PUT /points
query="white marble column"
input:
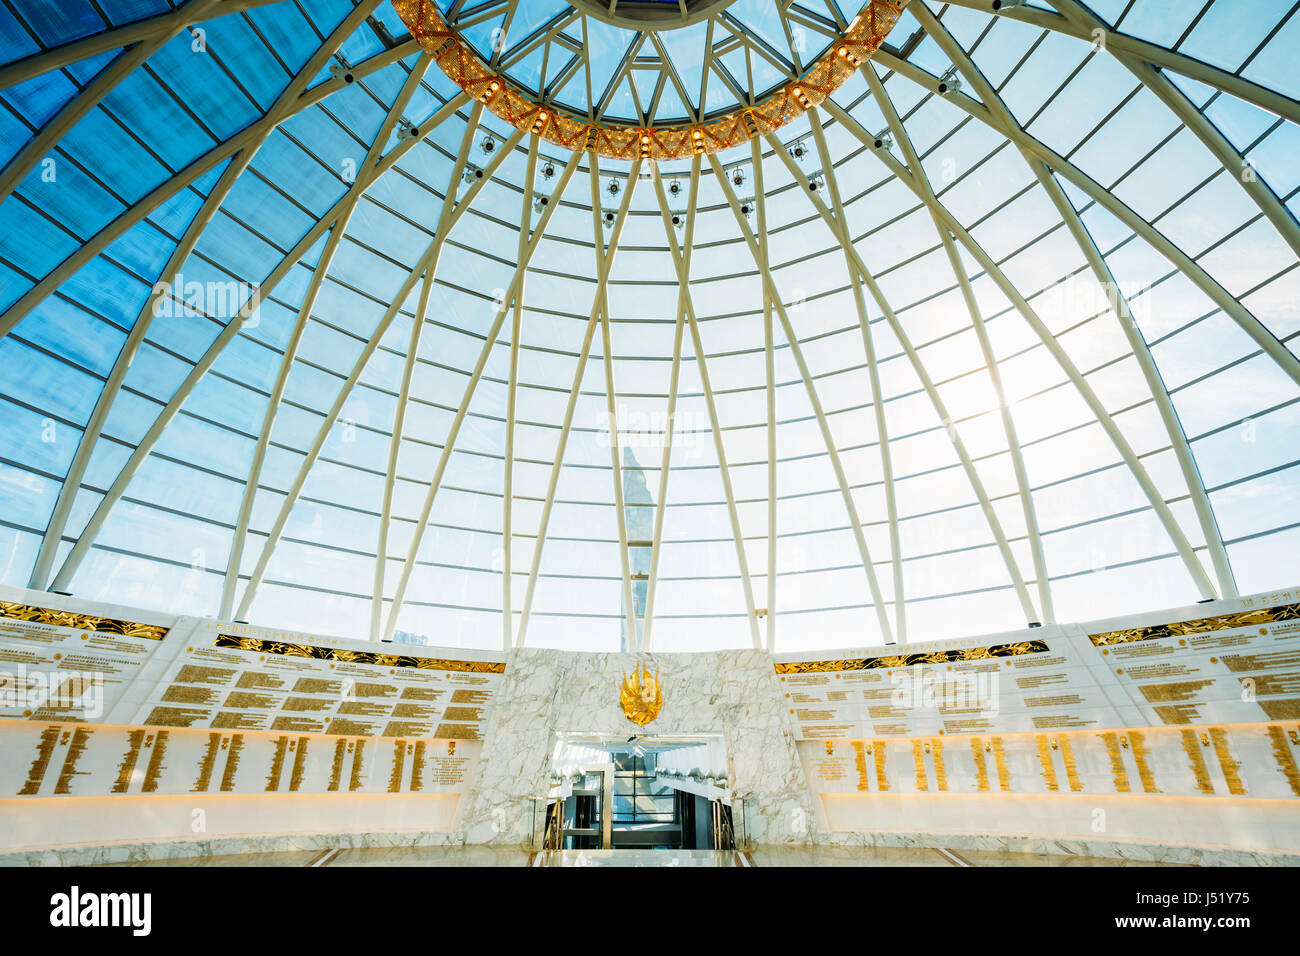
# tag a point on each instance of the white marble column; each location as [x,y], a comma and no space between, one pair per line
[735,694]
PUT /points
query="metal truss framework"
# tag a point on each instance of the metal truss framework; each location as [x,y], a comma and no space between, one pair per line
[1149,63]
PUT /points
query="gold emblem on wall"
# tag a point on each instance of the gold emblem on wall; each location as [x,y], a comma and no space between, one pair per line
[641,695]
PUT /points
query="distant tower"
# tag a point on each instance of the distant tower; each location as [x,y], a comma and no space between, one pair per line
[639,512]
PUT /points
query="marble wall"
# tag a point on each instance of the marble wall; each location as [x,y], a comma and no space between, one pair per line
[732,693]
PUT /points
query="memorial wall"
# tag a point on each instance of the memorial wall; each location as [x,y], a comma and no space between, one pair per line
[1179,727]
[116,724]
[1154,715]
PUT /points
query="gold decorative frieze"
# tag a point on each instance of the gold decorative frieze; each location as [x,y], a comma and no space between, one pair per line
[1283,612]
[618,140]
[910,660]
[82,622]
[257,645]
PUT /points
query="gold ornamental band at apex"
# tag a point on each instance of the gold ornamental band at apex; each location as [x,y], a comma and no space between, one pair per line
[617,140]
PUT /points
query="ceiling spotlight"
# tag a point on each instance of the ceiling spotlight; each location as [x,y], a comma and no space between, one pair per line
[738,176]
[884,140]
[802,97]
[492,89]
[697,141]
[848,54]
[407,130]
[541,202]
[1006,4]
[798,151]
[548,171]
[747,207]
[472,173]
[613,187]
[949,83]
[540,123]
[817,181]
[489,144]
[340,72]
[609,218]
[679,219]
[675,187]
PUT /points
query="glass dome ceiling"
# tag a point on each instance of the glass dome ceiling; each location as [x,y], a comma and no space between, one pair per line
[1025,353]
[649,63]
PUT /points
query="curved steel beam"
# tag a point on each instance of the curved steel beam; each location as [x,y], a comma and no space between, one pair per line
[605,255]
[436,481]
[986,346]
[796,351]
[1251,325]
[428,262]
[682,265]
[142,31]
[1158,56]
[294,100]
[1158,503]
[687,249]
[412,353]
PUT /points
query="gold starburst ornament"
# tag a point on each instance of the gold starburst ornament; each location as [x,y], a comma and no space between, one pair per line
[641,695]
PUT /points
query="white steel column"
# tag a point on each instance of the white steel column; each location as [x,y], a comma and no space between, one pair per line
[1155,382]
[122,364]
[133,34]
[683,292]
[1265,339]
[435,482]
[606,262]
[796,351]
[839,229]
[512,396]
[683,279]
[986,346]
[94,91]
[428,263]
[1158,503]
[1219,146]
[209,357]
[408,369]
[873,370]
[611,404]
[294,100]
[1158,56]
[769,368]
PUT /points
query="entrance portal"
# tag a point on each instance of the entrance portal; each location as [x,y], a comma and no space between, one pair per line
[639,792]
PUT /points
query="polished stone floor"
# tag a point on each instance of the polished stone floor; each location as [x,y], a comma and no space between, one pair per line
[769,856]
